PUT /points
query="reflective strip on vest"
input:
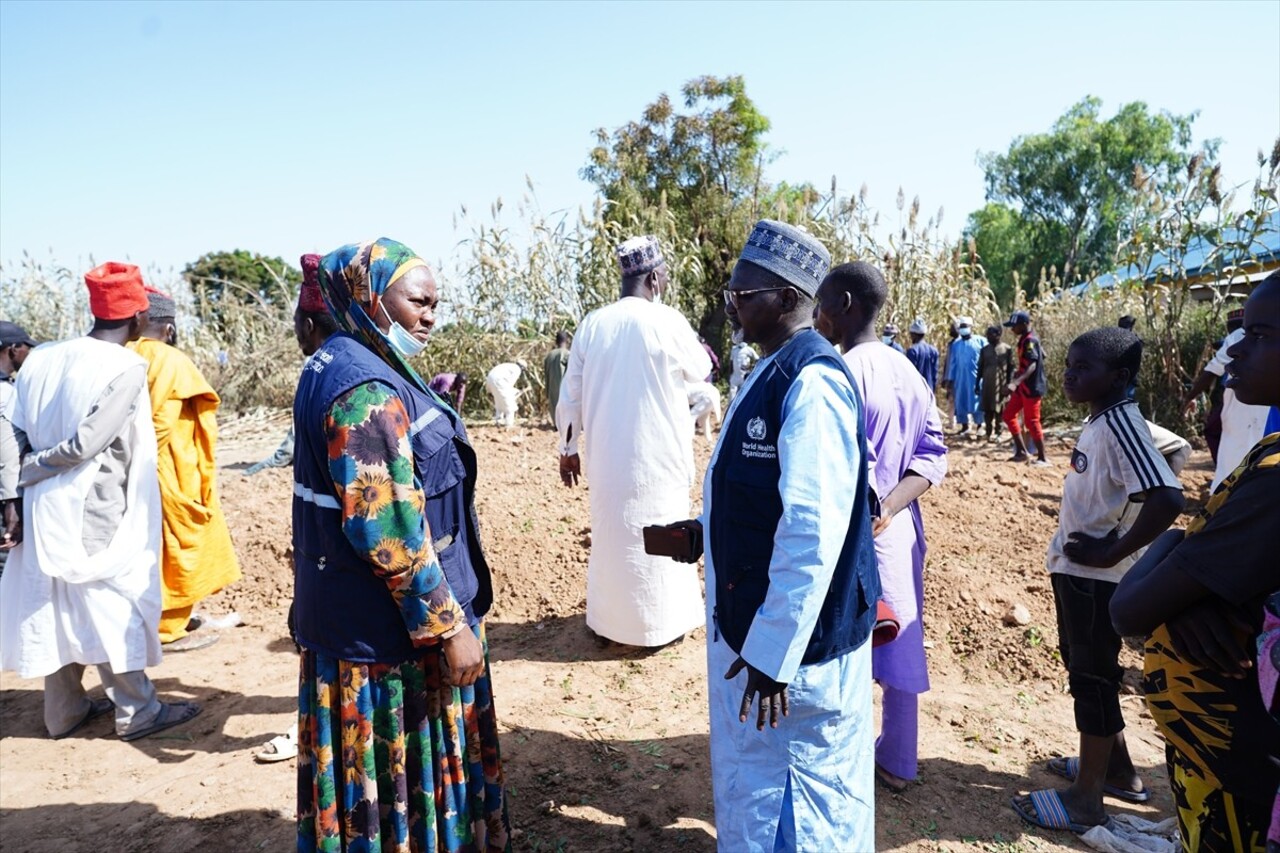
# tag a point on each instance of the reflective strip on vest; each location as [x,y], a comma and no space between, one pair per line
[421,423]
[326,501]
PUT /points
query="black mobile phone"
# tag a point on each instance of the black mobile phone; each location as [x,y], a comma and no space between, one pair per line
[661,541]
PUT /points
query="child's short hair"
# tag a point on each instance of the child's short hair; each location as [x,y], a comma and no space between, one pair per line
[1118,348]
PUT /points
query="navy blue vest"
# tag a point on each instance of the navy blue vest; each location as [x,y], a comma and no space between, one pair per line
[342,608]
[746,508]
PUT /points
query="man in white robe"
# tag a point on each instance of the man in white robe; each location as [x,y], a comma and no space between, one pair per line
[798,773]
[82,587]
[626,390]
[742,358]
[704,407]
[501,383]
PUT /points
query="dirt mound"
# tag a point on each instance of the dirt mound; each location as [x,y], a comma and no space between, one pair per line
[988,528]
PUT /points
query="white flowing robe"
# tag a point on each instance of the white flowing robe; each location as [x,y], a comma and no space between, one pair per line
[704,407]
[806,785]
[501,385]
[58,604]
[626,389]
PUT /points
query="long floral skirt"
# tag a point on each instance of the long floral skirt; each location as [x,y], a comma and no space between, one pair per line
[392,759]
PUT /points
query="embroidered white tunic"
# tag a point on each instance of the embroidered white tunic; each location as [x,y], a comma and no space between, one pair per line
[626,390]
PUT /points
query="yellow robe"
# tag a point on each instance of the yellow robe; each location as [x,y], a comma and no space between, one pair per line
[198,558]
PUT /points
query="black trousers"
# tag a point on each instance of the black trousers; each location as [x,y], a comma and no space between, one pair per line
[1090,649]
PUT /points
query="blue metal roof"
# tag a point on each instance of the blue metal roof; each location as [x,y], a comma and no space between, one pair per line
[1197,259]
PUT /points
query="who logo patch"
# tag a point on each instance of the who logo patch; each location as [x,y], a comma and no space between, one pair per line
[756,429]
[1079,461]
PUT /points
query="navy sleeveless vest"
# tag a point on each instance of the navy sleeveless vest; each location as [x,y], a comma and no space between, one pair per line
[342,608]
[746,508]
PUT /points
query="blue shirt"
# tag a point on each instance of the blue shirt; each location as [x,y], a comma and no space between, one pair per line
[924,357]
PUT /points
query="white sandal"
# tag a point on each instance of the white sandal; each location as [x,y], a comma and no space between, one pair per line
[279,748]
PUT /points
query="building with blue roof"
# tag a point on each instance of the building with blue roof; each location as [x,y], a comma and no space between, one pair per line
[1209,268]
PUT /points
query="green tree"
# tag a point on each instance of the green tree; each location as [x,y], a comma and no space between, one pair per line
[1014,250]
[1001,240]
[223,281]
[1072,189]
[695,178]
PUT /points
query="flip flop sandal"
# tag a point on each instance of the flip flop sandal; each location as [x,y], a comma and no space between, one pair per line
[171,714]
[1048,812]
[191,642]
[97,707]
[1069,768]
[279,748]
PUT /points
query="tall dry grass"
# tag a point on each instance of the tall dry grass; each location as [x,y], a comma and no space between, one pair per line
[519,274]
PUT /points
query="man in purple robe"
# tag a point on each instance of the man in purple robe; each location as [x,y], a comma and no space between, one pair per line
[906,454]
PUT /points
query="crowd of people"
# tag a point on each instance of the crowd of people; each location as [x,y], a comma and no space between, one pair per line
[113,527]
[810,531]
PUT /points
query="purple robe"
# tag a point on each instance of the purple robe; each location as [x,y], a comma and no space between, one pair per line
[904,431]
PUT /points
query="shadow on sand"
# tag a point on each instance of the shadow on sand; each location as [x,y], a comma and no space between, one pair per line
[22,716]
[141,828]
[566,638]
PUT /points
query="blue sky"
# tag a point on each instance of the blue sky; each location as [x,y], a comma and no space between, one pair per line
[159,131]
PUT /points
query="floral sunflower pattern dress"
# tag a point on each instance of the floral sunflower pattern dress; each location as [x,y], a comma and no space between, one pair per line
[392,757]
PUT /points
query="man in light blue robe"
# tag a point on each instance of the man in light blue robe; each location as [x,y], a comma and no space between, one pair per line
[963,377]
[790,630]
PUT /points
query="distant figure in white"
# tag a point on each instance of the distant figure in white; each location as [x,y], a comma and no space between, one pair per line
[704,406]
[501,384]
[741,359]
[627,390]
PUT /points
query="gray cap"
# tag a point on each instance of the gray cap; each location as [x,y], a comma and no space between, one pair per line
[160,306]
[793,255]
[12,333]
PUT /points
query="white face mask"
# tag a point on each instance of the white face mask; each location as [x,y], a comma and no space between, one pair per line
[965,331]
[657,292]
[736,337]
[401,341]
[888,339]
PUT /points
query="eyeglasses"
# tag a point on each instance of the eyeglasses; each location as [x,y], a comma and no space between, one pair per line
[731,297]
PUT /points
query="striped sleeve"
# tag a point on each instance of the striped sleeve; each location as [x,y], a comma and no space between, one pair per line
[1139,465]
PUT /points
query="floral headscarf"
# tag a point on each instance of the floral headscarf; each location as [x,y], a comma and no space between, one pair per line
[353,279]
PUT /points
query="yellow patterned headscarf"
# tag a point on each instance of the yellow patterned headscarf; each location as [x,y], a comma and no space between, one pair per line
[353,279]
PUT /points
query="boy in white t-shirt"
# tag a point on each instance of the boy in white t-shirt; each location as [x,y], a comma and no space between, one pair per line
[1118,496]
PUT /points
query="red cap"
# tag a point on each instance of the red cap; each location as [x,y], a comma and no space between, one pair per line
[1235,314]
[309,297]
[116,291]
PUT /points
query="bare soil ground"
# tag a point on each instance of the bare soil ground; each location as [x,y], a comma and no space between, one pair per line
[605,749]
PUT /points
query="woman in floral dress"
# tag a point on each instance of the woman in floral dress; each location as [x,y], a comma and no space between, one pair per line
[398,740]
